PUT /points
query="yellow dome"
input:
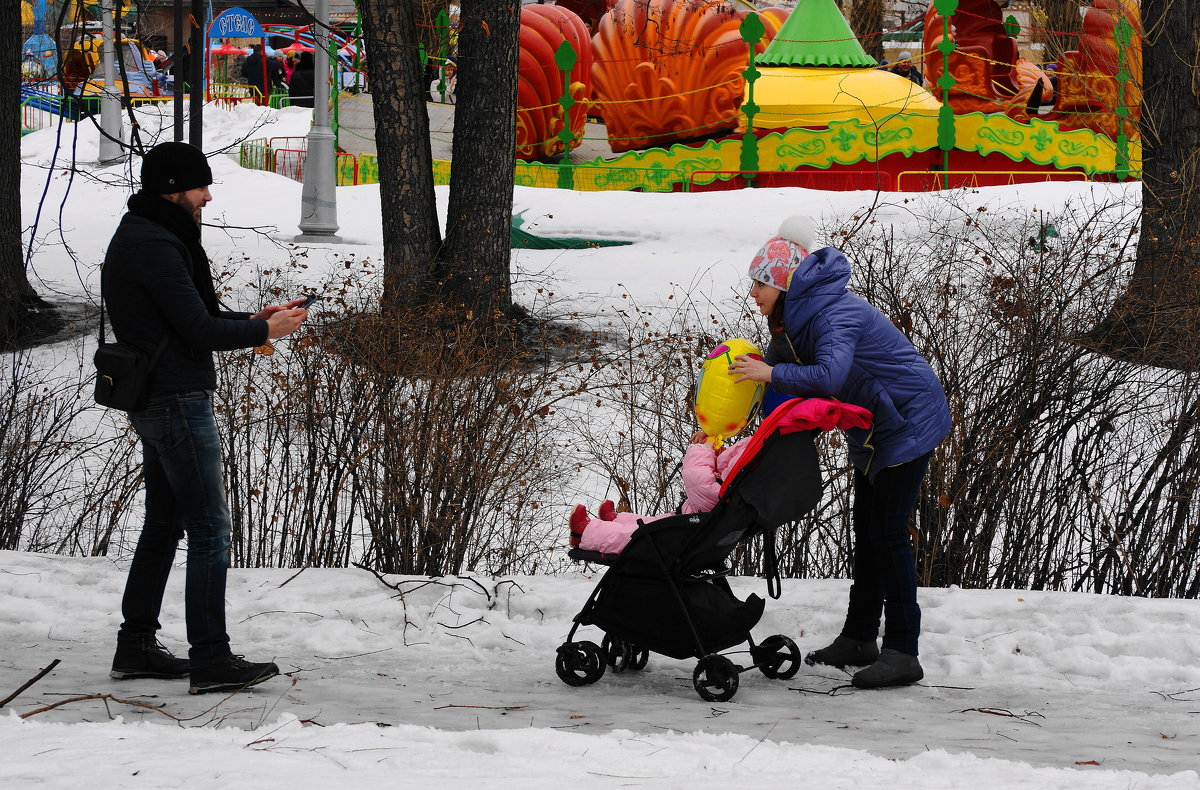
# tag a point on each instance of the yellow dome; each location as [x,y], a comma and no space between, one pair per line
[802,96]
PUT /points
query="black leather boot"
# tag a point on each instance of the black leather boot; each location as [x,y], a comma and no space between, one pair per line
[893,668]
[844,652]
[146,658]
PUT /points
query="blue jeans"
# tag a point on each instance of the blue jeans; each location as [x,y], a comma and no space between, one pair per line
[185,494]
[885,571]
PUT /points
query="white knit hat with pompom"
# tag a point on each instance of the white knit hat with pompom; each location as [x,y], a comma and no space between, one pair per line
[779,257]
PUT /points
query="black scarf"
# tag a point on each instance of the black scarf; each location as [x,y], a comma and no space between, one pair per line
[175,219]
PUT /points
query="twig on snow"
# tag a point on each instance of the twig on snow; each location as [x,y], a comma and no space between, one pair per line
[1007,714]
[45,671]
[104,697]
[294,575]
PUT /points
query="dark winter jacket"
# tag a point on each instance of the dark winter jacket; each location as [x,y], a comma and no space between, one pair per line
[156,283]
[252,72]
[846,349]
[302,88]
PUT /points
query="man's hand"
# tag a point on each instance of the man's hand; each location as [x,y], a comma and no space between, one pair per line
[747,368]
[272,309]
[282,321]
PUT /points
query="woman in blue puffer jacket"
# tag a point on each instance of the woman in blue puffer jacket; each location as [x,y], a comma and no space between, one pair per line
[829,343]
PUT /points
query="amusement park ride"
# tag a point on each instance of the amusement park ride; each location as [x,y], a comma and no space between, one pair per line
[718,95]
[683,100]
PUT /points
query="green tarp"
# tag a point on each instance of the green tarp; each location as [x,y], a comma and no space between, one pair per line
[524,240]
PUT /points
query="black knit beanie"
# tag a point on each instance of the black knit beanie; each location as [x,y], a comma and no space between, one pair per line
[174,167]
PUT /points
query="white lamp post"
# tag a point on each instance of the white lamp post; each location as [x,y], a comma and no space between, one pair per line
[318,202]
[111,150]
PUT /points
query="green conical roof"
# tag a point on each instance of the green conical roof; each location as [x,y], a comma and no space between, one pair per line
[815,34]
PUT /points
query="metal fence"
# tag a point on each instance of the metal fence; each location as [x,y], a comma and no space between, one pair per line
[929,181]
[839,180]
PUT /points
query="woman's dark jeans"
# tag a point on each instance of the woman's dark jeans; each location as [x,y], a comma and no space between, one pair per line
[185,494]
[885,572]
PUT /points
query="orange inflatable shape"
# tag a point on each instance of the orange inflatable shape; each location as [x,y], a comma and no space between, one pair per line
[540,83]
[723,408]
[671,70]
[1089,92]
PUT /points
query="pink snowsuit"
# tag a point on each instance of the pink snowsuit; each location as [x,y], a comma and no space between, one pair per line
[703,472]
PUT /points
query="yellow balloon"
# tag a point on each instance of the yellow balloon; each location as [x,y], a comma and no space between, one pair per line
[723,408]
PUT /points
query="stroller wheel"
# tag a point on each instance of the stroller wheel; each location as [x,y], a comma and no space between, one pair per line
[777,657]
[715,678]
[579,663]
[638,656]
[617,653]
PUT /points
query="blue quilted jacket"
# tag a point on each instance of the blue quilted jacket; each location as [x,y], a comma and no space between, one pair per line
[836,345]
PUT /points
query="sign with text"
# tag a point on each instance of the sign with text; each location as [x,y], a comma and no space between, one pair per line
[235,23]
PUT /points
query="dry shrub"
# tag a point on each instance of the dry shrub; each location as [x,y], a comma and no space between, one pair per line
[421,445]
[64,485]
[1064,469]
[414,443]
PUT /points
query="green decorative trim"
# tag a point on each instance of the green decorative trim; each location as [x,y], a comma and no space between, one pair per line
[947,133]
[880,137]
[565,58]
[1124,36]
[752,32]
[1075,148]
[1040,142]
[442,22]
[843,143]
[801,149]
[1002,137]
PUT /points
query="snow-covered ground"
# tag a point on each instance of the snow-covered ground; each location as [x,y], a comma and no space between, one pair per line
[453,683]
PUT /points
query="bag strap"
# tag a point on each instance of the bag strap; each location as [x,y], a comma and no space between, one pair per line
[162,344]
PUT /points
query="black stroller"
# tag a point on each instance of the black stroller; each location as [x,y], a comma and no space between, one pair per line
[667,591]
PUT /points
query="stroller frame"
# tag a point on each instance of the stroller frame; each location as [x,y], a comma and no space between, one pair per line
[687,554]
[715,678]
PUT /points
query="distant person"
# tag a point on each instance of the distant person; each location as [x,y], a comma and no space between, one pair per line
[253,72]
[1051,70]
[905,68]
[158,288]
[303,85]
[289,66]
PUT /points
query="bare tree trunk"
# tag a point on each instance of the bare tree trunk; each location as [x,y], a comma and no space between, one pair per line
[24,317]
[411,236]
[1157,319]
[474,264]
[866,19]
[1064,19]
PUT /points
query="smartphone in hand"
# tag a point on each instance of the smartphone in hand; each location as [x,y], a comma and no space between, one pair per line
[308,301]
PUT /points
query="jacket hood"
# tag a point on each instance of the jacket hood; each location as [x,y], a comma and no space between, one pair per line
[818,280]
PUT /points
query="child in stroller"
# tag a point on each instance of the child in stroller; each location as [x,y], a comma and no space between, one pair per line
[666,591]
[705,467]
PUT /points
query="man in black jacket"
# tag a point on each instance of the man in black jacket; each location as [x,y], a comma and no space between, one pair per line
[257,66]
[159,291]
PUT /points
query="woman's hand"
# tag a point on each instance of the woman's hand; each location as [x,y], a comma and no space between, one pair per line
[746,368]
